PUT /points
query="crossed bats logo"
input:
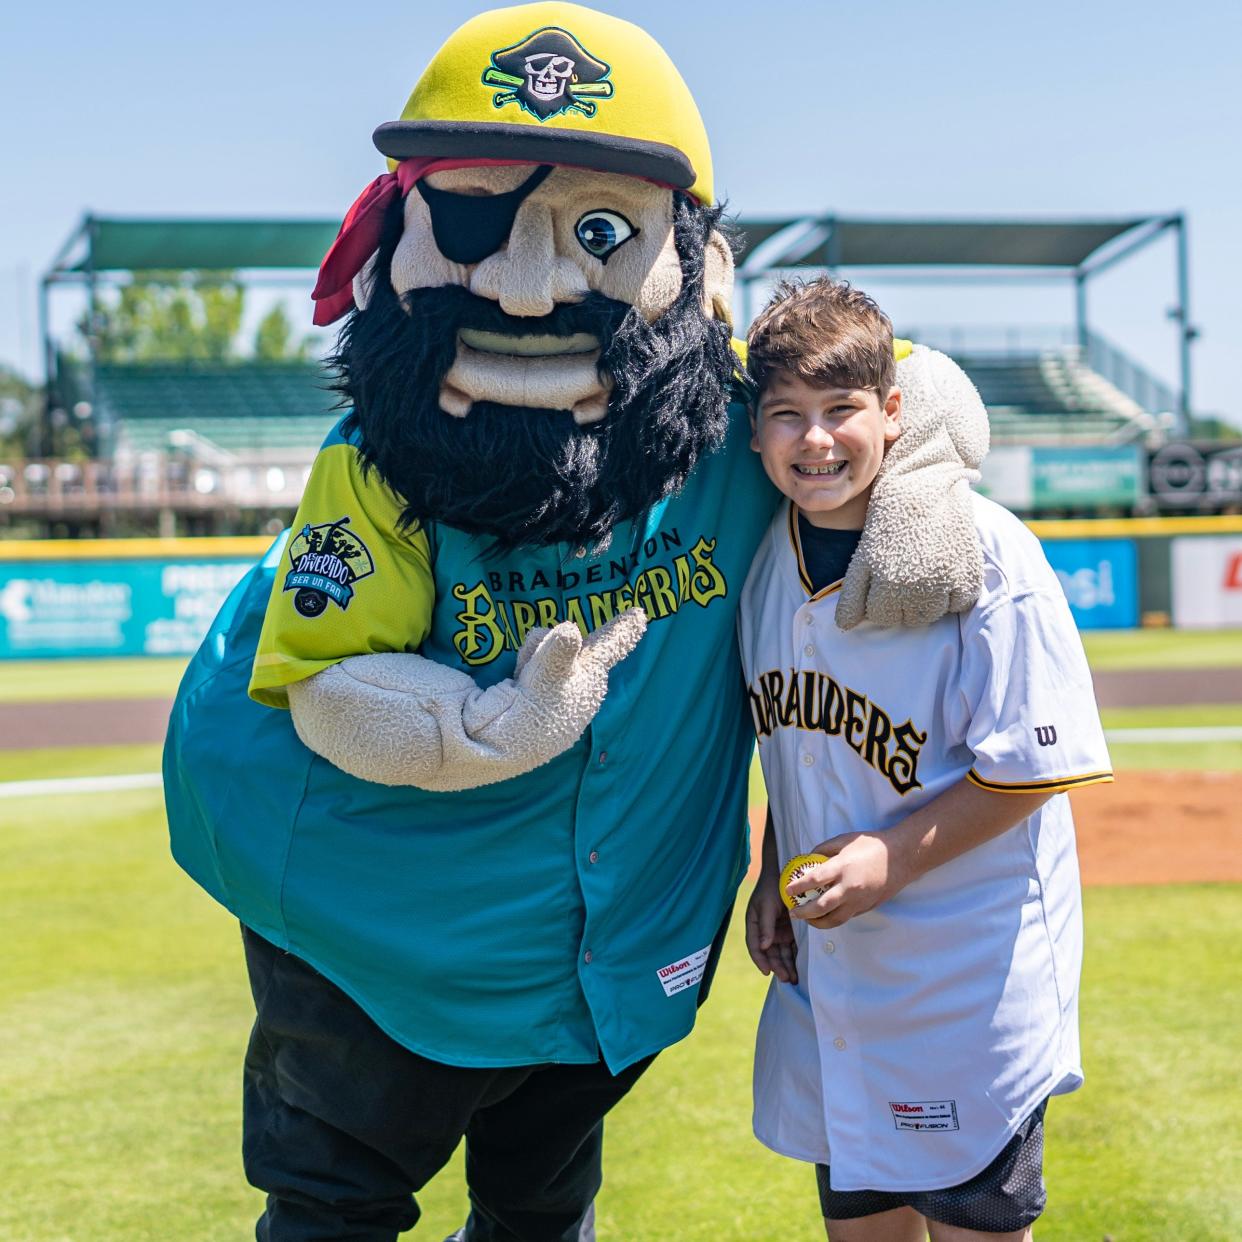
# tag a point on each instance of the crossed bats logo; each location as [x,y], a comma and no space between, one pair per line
[547,73]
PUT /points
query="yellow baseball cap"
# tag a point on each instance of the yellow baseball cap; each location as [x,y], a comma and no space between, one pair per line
[556,83]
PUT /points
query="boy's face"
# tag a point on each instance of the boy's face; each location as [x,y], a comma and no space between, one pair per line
[822,447]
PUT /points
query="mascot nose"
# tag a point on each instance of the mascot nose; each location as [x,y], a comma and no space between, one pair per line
[527,277]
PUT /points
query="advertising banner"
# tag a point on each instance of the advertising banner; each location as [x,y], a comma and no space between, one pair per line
[1195,476]
[1100,580]
[1207,582]
[101,607]
[1064,478]
[1039,478]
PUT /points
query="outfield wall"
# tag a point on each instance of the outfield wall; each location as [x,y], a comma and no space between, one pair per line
[100,597]
[158,596]
[1124,572]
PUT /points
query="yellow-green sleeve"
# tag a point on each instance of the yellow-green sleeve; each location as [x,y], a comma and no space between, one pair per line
[348,583]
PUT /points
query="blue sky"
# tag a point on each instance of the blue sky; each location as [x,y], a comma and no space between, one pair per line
[961,108]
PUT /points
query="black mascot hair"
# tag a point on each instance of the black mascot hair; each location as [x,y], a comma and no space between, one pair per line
[524,476]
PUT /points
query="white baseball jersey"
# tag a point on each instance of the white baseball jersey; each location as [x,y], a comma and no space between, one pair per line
[921,1034]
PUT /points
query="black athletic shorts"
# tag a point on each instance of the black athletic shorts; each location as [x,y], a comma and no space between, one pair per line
[1008,1195]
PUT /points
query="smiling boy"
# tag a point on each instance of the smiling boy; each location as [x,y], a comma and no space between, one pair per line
[924,1000]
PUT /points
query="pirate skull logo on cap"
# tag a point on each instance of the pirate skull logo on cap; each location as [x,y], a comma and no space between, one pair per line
[547,73]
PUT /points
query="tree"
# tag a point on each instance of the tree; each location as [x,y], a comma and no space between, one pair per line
[188,317]
[171,317]
[273,339]
[20,406]
[1214,427]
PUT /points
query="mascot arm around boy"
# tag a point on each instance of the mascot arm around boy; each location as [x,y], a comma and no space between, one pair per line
[546,432]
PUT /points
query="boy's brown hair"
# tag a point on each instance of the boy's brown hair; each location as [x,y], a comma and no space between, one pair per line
[825,331]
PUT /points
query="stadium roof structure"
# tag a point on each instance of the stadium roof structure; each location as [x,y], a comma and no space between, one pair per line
[104,245]
[103,250]
[959,250]
[836,242]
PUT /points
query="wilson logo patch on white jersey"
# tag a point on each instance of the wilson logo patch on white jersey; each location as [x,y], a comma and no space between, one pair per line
[924,1114]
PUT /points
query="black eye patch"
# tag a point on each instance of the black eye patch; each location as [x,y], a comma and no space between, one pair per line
[469,227]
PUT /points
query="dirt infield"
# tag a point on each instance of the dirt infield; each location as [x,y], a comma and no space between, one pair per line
[1161,828]
[30,726]
[94,722]
[1159,687]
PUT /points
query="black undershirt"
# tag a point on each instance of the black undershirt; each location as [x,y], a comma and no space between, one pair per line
[825,553]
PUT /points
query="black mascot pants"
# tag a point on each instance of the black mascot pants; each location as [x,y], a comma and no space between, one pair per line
[342,1125]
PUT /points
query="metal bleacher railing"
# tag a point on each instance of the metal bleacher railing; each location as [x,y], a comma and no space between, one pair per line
[1042,387]
[1125,374]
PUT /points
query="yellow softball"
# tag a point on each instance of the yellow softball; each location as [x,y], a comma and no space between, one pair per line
[794,870]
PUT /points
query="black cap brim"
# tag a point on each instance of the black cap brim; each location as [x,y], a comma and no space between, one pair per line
[403,140]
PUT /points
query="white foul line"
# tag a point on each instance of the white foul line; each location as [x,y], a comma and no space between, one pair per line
[153,780]
[1191,733]
[80,785]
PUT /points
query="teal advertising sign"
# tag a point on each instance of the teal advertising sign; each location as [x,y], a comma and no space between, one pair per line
[1040,478]
[1089,475]
[101,607]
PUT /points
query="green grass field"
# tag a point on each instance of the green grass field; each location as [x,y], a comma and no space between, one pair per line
[125,1011]
[35,681]
[1147,649]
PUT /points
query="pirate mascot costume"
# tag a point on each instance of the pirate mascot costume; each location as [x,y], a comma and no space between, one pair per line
[482,832]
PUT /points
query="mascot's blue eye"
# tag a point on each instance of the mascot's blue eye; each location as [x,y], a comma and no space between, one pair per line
[601,233]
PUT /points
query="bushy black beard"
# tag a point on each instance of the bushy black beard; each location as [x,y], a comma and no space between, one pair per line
[523,476]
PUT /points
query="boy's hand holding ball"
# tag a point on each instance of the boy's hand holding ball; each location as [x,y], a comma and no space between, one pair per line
[796,869]
[843,877]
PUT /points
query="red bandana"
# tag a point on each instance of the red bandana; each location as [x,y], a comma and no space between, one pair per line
[359,236]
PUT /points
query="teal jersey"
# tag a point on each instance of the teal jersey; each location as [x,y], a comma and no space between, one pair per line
[548,918]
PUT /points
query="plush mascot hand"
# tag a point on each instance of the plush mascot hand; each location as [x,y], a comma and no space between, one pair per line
[399,719]
[919,556]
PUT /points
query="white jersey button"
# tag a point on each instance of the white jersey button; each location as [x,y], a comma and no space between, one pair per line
[829,946]
[839,1044]
[809,649]
[810,620]
[594,856]
[807,760]
[586,957]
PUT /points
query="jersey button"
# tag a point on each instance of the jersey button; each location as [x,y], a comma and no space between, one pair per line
[829,947]
[807,760]
[810,620]
[586,957]
[594,856]
[839,1044]
[809,649]
[603,757]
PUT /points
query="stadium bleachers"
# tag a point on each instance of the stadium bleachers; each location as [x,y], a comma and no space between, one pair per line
[250,410]
[1053,398]
[281,411]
